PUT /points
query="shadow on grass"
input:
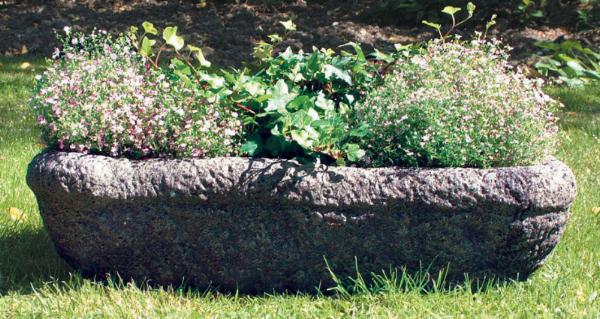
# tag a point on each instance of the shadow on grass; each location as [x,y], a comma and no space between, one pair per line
[27,258]
[582,107]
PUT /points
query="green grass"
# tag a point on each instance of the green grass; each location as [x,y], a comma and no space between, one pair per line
[34,282]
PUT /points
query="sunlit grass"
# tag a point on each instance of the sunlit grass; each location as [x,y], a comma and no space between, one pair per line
[34,282]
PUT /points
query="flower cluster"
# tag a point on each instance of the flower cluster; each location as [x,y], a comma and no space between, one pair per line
[99,96]
[458,104]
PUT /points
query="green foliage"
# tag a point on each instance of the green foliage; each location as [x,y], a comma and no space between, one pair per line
[457,104]
[300,102]
[103,99]
[303,105]
[568,61]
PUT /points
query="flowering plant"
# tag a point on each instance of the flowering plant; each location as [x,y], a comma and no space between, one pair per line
[99,96]
[458,104]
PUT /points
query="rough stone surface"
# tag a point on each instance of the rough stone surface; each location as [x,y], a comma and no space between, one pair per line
[264,225]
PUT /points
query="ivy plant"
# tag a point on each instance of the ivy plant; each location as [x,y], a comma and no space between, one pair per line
[293,104]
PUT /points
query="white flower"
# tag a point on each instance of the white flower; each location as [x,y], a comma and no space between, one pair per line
[67,30]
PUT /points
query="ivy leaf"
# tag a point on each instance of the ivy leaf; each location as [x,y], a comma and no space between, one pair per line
[288,25]
[305,137]
[275,38]
[300,102]
[199,55]
[280,97]
[360,131]
[182,70]
[133,33]
[450,10]
[492,22]
[331,71]
[253,87]
[381,56]
[146,48]
[436,26]
[402,47]
[324,103]
[263,51]
[249,148]
[149,28]
[354,152]
[180,67]
[314,115]
[359,52]
[214,81]
[172,39]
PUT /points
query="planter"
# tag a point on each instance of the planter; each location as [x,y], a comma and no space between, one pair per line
[263,225]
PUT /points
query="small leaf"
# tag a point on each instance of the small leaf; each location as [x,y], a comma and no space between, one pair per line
[133,33]
[436,26]
[172,39]
[280,97]
[354,152]
[275,38]
[289,25]
[324,103]
[471,8]
[402,47]
[214,81]
[314,115]
[253,87]
[146,48]
[199,55]
[180,67]
[332,71]
[305,137]
[149,28]
[359,52]
[492,22]
[360,131]
[249,148]
[450,10]
[25,65]
[380,56]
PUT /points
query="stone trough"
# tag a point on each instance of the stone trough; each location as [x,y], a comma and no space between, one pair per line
[261,225]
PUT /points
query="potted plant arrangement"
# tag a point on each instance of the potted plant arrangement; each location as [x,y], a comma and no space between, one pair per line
[255,179]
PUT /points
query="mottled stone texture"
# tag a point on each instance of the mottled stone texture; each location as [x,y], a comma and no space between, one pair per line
[264,225]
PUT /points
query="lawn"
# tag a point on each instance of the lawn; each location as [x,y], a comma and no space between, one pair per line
[35,282]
